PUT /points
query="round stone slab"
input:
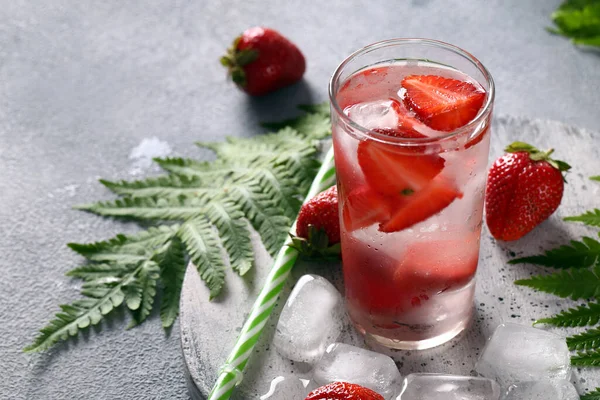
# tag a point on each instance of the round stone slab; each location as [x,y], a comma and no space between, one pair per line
[209,329]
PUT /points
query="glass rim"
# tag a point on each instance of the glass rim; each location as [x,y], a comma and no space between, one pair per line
[481,115]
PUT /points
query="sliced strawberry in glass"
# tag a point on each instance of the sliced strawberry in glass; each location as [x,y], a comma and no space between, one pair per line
[442,103]
[393,170]
[421,205]
[438,265]
[364,207]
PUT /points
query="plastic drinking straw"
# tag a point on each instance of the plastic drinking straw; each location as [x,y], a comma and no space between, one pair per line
[231,374]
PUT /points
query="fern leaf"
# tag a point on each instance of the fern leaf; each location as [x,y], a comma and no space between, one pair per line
[270,224]
[595,395]
[588,314]
[227,217]
[279,191]
[126,249]
[202,244]
[146,280]
[184,166]
[587,340]
[133,295]
[585,253]
[93,272]
[170,186]
[102,299]
[321,108]
[595,178]
[575,283]
[591,218]
[146,208]
[172,264]
[315,126]
[586,359]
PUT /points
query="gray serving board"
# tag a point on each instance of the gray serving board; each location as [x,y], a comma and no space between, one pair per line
[209,329]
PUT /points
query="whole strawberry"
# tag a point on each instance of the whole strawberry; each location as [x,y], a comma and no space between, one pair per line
[524,188]
[343,391]
[261,60]
[318,226]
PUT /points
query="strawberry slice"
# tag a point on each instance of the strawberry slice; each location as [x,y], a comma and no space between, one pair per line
[364,207]
[443,104]
[421,205]
[392,170]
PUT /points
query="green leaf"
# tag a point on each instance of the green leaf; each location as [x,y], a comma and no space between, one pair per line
[586,359]
[588,314]
[202,244]
[146,208]
[521,146]
[587,340]
[579,254]
[321,108]
[93,272]
[102,299]
[591,218]
[227,217]
[126,249]
[575,283]
[595,395]
[172,262]
[145,282]
[595,178]
[578,20]
[316,126]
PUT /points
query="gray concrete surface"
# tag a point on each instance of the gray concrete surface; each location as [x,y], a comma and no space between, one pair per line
[86,86]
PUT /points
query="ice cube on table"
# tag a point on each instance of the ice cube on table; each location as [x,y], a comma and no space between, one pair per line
[542,390]
[363,367]
[518,353]
[311,319]
[286,388]
[448,387]
[374,114]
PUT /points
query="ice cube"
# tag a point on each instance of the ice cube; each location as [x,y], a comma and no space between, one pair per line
[374,114]
[285,388]
[448,387]
[517,353]
[347,363]
[542,390]
[312,319]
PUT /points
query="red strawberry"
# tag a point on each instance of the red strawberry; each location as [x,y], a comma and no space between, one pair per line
[343,391]
[364,207]
[443,104]
[524,188]
[261,60]
[421,205]
[391,169]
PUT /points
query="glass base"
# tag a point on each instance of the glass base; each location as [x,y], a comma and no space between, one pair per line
[422,344]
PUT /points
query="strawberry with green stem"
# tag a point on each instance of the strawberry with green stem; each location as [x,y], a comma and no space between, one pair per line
[525,186]
[262,60]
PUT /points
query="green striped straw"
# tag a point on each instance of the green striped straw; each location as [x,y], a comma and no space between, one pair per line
[231,374]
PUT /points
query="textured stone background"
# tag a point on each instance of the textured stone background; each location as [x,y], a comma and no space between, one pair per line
[90,89]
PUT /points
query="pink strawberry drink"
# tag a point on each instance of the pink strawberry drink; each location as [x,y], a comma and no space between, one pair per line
[411,141]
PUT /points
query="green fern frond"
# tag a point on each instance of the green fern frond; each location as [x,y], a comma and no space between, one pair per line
[145,281]
[591,218]
[102,299]
[585,253]
[146,208]
[227,217]
[595,178]
[588,314]
[126,249]
[587,340]
[169,186]
[586,359]
[271,225]
[95,272]
[172,262]
[184,166]
[202,244]
[574,283]
[321,108]
[314,126]
[595,395]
